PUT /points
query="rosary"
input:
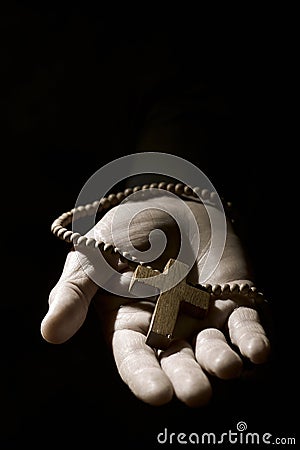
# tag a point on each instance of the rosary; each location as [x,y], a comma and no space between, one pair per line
[195,298]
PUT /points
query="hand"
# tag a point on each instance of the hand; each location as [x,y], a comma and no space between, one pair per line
[214,346]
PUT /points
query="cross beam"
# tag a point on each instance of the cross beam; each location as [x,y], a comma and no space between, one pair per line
[174,291]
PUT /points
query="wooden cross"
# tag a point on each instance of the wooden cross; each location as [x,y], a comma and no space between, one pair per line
[172,295]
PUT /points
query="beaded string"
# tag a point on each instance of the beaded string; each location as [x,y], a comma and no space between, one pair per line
[60,230]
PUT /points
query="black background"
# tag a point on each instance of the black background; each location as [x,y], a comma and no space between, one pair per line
[77,83]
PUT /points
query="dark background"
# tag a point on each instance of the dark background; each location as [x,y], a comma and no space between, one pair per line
[82,86]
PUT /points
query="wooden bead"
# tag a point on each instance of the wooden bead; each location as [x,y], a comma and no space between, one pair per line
[89,209]
[120,196]
[244,288]
[253,291]
[67,234]
[197,192]
[171,187]
[90,242]
[113,200]
[162,185]
[205,194]
[105,203]
[234,289]
[208,287]
[216,290]
[188,190]
[108,248]
[128,191]
[60,232]
[74,238]
[179,188]
[82,240]
[225,290]
[65,216]
[259,298]
[100,245]
[213,197]
[55,228]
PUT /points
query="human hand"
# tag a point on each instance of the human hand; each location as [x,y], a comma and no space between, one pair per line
[213,346]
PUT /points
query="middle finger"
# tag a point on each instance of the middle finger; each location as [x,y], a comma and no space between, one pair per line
[189,381]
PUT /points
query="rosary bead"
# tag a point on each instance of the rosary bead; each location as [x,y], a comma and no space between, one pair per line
[57,222]
[65,217]
[259,298]
[60,232]
[120,196]
[89,209]
[188,190]
[244,288]
[225,290]
[82,240]
[112,198]
[55,228]
[171,187]
[90,242]
[108,248]
[67,235]
[234,289]
[74,238]
[128,192]
[216,290]
[253,291]
[104,202]
[197,192]
[179,188]
[80,212]
[213,197]
[205,194]
[162,185]
[100,245]
[208,288]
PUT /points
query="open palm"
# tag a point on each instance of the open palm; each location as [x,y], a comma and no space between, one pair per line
[215,345]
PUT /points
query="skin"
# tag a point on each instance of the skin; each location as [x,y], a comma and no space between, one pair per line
[212,347]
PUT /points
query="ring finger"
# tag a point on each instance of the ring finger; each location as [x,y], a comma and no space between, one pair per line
[189,381]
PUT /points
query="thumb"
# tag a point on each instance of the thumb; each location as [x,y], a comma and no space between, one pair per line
[69,301]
